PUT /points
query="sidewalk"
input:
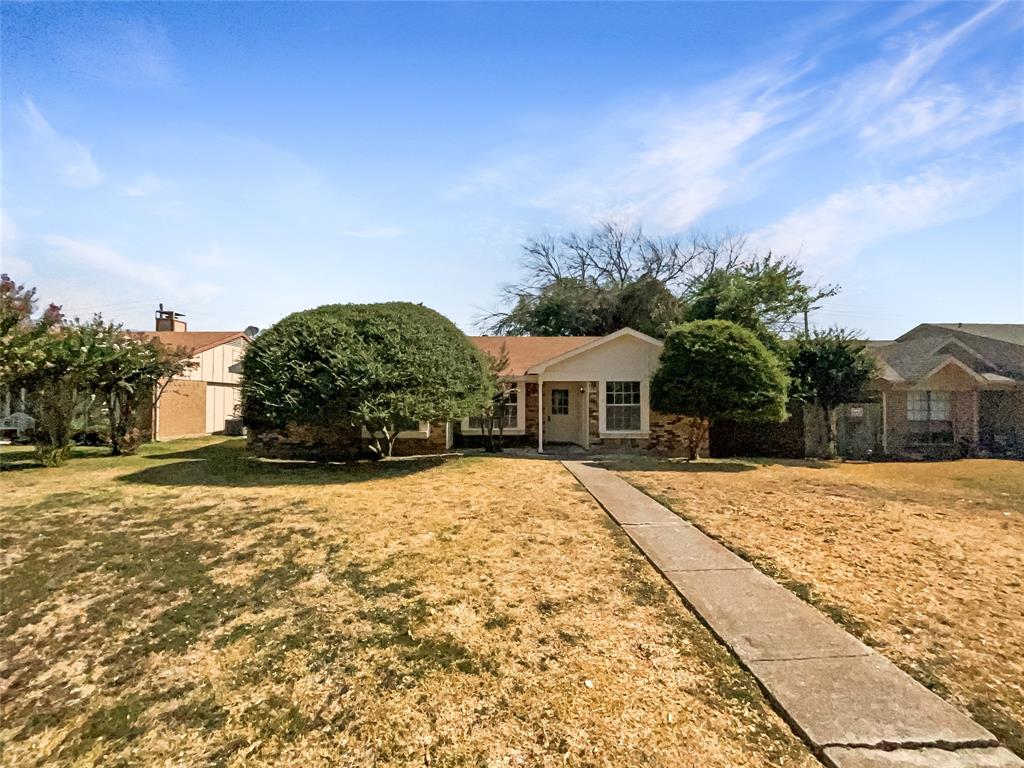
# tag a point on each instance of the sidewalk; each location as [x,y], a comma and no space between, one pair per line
[855,708]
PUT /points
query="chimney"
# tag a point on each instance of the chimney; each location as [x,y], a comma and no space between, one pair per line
[168,320]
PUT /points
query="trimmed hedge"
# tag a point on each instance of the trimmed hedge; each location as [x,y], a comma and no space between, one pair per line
[378,366]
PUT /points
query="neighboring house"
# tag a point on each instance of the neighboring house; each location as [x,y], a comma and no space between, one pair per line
[941,390]
[581,390]
[206,399]
[947,389]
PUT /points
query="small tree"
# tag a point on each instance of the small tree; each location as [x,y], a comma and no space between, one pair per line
[362,366]
[23,338]
[714,369]
[492,415]
[128,373]
[829,368]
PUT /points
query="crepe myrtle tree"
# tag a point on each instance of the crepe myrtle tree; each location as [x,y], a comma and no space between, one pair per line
[828,368]
[492,414]
[715,369]
[378,367]
[129,373]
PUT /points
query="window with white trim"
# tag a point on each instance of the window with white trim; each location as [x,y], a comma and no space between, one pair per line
[509,416]
[622,406]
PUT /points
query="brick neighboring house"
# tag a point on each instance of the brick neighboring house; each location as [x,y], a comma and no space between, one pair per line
[205,400]
[947,389]
[942,390]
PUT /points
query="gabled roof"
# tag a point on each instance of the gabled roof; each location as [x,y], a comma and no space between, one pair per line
[193,342]
[531,354]
[1012,333]
[525,352]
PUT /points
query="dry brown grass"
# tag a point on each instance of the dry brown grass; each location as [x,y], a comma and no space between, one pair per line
[923,561]
[192,607]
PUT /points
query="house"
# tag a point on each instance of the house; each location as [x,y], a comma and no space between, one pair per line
[587,391]
[205,400]
[941,390]
[946,389]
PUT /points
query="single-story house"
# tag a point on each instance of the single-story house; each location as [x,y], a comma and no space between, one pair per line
[586,391]
[941,390]
[206,399]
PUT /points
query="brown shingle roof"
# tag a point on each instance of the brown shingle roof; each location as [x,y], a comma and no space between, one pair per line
[524,352]
[193,342]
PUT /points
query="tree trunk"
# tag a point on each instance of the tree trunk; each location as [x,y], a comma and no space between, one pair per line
[698,431]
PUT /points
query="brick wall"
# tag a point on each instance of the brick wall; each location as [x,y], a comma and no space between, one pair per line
[182,410]
[333,443]
[670,434]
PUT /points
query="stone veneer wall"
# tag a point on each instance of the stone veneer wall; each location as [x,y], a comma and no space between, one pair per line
[337,443]
[670,434]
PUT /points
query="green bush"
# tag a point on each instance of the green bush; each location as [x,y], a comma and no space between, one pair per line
[714,369]
[372,366]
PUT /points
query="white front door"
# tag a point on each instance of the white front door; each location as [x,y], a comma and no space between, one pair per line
[562,408]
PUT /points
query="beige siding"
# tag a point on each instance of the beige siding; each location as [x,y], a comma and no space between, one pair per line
[222,402]
[626,358]
[214,364]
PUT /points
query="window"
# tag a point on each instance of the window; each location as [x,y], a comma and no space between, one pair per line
[927,406]
[405,424]
[928,414]
[559,402]
[622,406]
[510,419]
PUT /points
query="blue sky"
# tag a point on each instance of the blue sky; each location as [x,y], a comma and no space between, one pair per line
[242,161]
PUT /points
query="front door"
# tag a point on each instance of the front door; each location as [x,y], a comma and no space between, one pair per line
[562,404]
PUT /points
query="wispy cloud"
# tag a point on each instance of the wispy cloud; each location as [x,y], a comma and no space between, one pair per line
[71,159]
[945,119]
[856,217]
[103,258]
[106,259]
[671,164]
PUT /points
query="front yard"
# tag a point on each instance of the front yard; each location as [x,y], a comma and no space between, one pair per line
[194,607]
[923,561]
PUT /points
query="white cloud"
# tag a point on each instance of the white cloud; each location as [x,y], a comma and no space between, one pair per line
[946,119]
[144,186]
[852,219]
[71,159]
[103,258]
[375,233]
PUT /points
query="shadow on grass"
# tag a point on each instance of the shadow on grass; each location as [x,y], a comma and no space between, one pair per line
[654,464]
[16,458]
[229,464]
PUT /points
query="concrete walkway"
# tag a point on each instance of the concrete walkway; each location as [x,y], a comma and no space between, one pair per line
[855,708]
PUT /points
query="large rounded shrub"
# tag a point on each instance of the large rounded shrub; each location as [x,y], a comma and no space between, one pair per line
[715,369]
[353,366]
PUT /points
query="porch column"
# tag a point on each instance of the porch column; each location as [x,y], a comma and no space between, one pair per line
[540,414]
